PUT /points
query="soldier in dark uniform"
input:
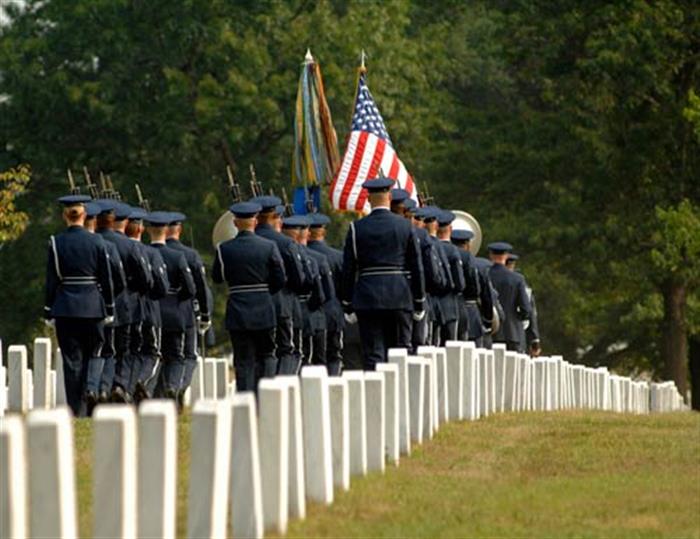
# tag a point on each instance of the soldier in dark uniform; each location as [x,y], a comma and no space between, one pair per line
[398,201]
[253,269]
[310,320]
[476,311]
[530,327]
[484,267]
[111,224]
[145,345]
[79,300]
[410,207]
[174,307]
[383,281]
[198,321]
[512,294]
[286,300]
[450,301]
[335,321]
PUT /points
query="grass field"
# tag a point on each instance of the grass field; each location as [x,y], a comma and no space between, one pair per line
[568,474]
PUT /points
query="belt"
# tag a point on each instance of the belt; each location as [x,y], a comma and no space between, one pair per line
[472,302]
[304,297]
[174,291]
[383,270]
[80,280]
[246,288]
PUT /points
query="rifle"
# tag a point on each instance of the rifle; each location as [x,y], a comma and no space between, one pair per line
[115,194]
[74,190]
[105,192]
[424,198]
[308,201]
[256,187]
[234,188]
[288,208]
[143,202]
[91,187]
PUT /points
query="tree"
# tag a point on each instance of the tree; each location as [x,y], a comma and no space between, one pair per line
[13,183]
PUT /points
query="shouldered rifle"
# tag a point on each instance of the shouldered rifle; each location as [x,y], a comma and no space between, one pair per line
[92,188]
[234,188]
[308,201]
[74,189]
[256,187]
[288,208]
[105,192]
[115,194]
[143,202]
[424,197]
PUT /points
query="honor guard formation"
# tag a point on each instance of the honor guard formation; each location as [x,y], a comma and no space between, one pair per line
[132,317]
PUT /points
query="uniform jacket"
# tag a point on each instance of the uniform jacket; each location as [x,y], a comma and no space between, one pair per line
[382,265]
[254,271]
[200,305]
[159,290]
[449,302]
[513,297]
[532,331]
[175,305]
[116,269]
[318,316]
[484,267]
[334,311]
[78,276]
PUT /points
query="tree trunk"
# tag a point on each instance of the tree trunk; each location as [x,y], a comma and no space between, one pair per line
[694,349]
[674,337]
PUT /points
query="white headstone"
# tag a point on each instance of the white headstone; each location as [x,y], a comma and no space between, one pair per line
[340,430]
[52,389]
[210,378]
[432,411]
[483,383]
[13,477]
[471,389]
[510,381]
[499,370]
[416,389]
[443,387]
[3,390]
[114,488]
[245,481]
[60,381]
[391,391]
[51,474]
[273,405]
[221,377]
[42,370]
[210,452]
[399,357]
[297,478]
[157,474]
[455,379]
[429,396]
[375,409]
[358,422]
[18,392]
[197,386]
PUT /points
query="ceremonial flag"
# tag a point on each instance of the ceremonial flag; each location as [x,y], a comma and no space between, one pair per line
[369,151]
[316,156]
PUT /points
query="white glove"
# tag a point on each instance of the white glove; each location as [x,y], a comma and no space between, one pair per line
[350,318]
[109,320]
[50,322]
[203,327]
[418,315]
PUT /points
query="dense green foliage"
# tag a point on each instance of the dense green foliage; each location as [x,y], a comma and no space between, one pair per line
[568,128]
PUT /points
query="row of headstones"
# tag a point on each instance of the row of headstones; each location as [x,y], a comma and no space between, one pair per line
[310,435]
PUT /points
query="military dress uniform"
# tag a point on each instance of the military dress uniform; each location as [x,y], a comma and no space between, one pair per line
[449,302]
[383,281]
[117,367]
[200,306]
[286,300]
[335,322]
[512,294]
[484,267]
[315,333]
[79,298]
[253,269]
[174,311]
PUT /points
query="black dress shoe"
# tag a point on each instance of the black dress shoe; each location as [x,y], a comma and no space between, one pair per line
[140,393]
[119,395]
[91,401]
[103,398]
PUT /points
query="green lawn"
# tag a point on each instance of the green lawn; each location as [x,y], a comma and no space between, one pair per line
[570,474]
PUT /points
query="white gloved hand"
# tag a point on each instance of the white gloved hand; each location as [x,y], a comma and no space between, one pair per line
[109,320]
[350,318]
[50,322]
[418,315]
[203,327]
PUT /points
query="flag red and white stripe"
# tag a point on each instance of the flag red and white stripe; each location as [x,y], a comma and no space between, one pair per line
[368,152]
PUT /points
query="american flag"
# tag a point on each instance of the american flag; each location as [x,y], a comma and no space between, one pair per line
[369,151]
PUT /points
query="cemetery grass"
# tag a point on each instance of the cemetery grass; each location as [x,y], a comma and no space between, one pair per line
[565,474]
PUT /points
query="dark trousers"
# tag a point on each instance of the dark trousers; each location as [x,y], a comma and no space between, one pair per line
[420,332]
[81,341]
[190,357]
[292,363]
[448,332]
[150,356]
[122,371]
[381,330]
[173,350]
[334,352]
[287,359]
[315,348]
[253,357]
[109,361]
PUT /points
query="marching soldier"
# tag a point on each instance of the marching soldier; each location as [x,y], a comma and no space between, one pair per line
[334,311]
[512,294]
[484,267]
[147,346]
[79,301]
[383,282]
[531,327]
[199,309]
[253,269]
[286,300]
[310,320]
[173,306]
[477,308]
[450,302]
[111,224]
